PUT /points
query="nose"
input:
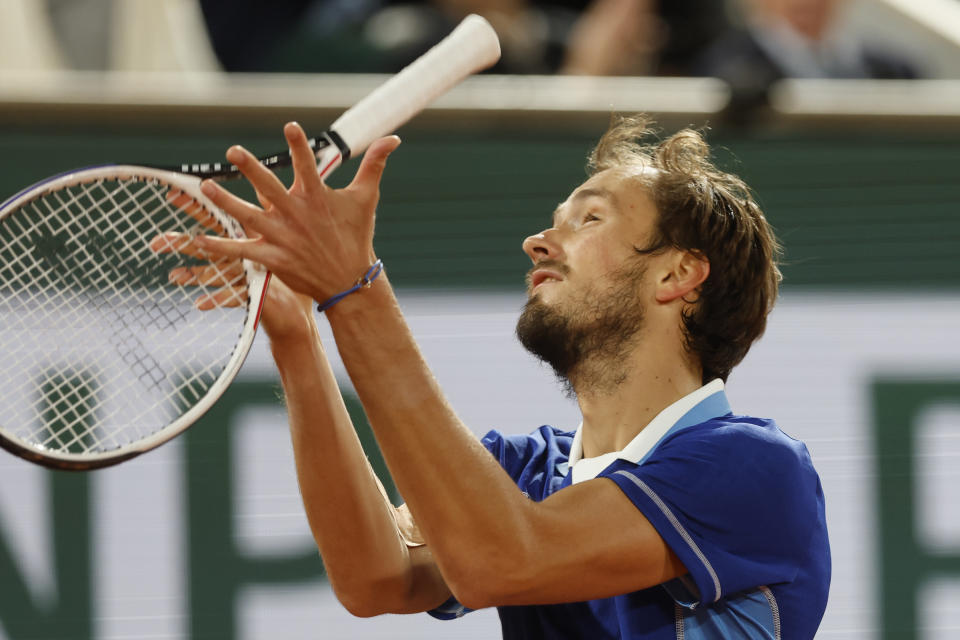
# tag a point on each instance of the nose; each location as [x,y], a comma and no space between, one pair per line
[542,246]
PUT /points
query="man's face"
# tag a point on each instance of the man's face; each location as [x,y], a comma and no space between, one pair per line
[585,290]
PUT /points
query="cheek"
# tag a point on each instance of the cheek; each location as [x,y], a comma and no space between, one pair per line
[602,255]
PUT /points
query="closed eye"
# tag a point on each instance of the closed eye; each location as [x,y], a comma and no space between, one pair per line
[590,218]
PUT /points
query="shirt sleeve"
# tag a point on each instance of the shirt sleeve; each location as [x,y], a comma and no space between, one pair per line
[737,503]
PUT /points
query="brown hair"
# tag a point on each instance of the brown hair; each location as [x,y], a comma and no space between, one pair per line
[713,213]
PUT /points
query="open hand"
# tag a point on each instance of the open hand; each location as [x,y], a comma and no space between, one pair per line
[318,240]
[285,314]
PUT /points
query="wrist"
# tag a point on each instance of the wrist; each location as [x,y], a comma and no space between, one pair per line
[293,336]
[370,301]
[365,281]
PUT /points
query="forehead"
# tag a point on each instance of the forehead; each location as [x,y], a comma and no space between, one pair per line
[625,190]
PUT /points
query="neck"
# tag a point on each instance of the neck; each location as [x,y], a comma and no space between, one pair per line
[625,394]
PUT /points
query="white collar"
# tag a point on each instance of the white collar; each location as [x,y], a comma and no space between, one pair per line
[680,413]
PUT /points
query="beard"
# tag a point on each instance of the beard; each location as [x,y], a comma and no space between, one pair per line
[585,340]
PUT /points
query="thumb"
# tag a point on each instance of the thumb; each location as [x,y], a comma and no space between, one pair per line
[367,179]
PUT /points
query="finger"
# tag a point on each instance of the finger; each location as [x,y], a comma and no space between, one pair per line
[261,178]
[304,159]
[367,180]
[228,297]
[248,215]
[173,242]
[193,208]
[227,274]
[254,249]
[170,242]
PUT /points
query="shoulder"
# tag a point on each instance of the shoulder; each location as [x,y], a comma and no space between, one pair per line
[736,498]
[739,463]
[746,439]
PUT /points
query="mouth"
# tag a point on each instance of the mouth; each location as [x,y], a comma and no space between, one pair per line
[543,276]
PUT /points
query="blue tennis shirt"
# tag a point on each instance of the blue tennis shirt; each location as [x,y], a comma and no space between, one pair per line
[735,498]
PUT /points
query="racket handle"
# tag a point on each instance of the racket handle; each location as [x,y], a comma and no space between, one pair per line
[469,48]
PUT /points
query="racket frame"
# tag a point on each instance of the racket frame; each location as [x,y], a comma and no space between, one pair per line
[257,281]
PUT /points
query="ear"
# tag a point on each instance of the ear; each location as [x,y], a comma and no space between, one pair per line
[685,273]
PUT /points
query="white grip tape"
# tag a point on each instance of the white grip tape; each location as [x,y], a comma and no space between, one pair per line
[472,46]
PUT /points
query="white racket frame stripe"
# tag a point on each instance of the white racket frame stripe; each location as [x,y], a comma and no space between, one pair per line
[471,47]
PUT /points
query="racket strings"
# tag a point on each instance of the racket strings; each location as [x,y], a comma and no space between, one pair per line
[103,350]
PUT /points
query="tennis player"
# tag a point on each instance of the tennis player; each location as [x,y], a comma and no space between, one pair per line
[666,514]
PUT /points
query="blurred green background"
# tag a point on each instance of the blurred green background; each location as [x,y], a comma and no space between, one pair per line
[854,208]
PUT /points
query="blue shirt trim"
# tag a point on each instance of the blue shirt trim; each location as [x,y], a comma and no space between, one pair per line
[712,406]
[751,615]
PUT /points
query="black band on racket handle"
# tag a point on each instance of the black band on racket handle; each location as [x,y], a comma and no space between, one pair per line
[335,138]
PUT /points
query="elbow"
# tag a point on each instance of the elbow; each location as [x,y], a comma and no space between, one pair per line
[476,597]
[484,581]
[469,590]
[359,602]
[360,607]
[482,591]
[495,568]
[372,597]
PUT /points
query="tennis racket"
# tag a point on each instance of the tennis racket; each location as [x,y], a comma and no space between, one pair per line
[105,355]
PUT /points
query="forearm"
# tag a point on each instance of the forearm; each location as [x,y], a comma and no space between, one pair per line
[318,240]
[351,520]
[463,501]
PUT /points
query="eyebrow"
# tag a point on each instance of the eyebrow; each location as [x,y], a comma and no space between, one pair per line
[590,192]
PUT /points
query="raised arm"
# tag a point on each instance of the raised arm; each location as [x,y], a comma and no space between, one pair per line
[492,544]
[371,568]
[359,533]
